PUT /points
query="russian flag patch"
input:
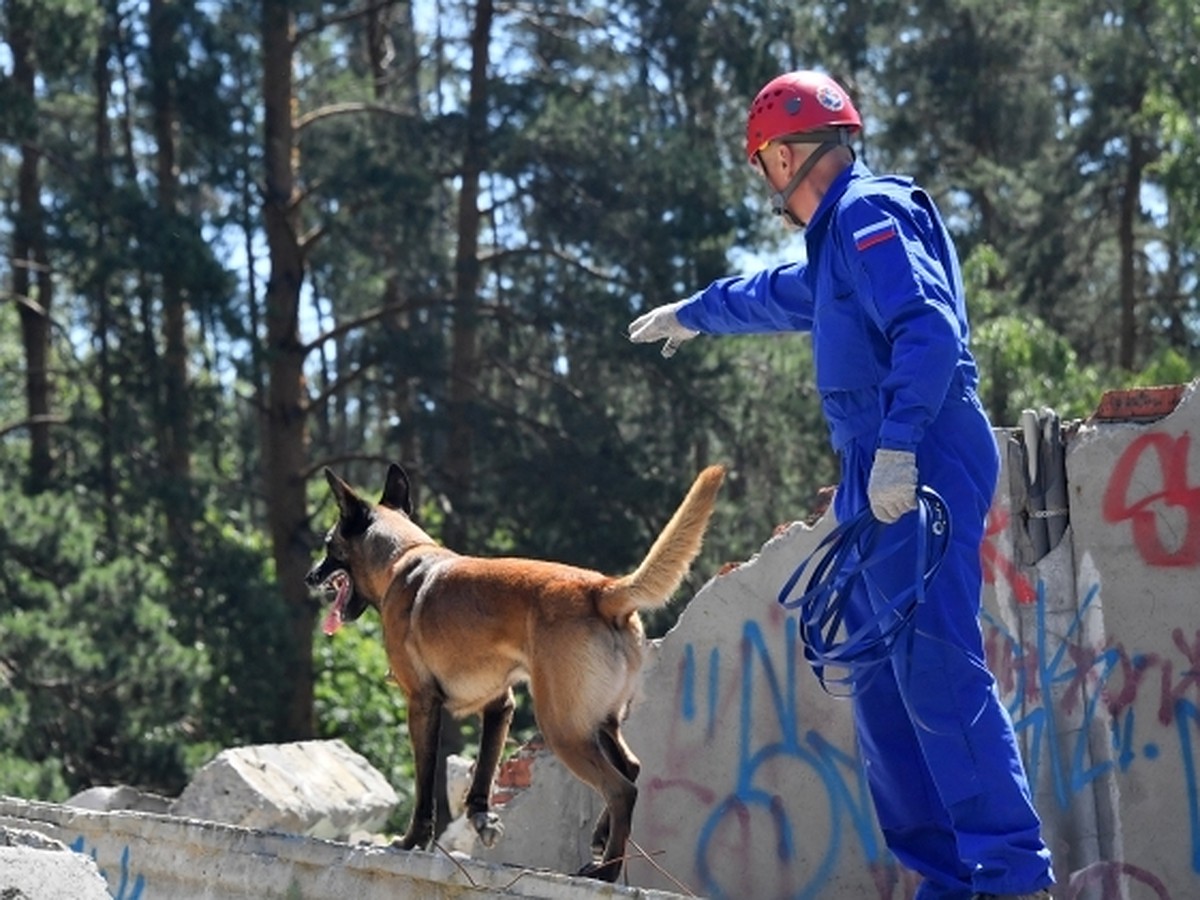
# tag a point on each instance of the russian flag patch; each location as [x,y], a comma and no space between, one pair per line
[874,234]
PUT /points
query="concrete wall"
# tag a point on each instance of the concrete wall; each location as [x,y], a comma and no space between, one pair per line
[751,785]
[147,856]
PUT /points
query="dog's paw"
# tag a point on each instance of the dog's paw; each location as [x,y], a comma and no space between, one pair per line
[488,826]
[601,871]
[411,841]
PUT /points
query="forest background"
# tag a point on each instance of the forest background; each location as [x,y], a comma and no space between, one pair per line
[244,240]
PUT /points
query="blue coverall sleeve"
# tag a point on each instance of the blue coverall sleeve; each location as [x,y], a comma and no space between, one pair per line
[908,278]
[776,299]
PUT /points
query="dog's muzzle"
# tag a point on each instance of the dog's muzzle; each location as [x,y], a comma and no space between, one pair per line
[339,584]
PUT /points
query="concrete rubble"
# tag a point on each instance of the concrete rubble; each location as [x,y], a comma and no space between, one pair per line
[320,789]
[36,867]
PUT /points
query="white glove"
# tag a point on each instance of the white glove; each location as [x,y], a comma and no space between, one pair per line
[661,322]
[892,487]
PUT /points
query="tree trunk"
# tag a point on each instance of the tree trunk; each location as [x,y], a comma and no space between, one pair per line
[391,45]
[31,281]
[175,409]
[464,371]
[98,280]
[285,451]
[1127,239]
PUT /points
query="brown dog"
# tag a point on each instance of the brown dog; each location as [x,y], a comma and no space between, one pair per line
[461,631]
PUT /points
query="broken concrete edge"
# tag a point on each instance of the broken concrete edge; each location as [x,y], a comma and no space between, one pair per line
[115,797]
[319,788]
[29,839]
[168,845]
[45,867]
[34,873]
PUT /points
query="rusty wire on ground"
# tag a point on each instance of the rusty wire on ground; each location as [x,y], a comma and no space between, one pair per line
[641,853]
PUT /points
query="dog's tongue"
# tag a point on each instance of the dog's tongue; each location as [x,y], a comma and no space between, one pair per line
[333,619]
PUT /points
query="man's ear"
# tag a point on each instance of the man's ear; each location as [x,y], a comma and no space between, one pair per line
[786,155]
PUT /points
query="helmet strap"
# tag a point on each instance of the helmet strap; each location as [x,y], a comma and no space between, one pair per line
[826,139]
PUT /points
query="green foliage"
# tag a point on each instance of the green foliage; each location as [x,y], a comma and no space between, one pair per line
[1168,366]
[1023,362]
[1026,365]
[356,701]
[612,182]
[229,607]
[94,686]
[28,778]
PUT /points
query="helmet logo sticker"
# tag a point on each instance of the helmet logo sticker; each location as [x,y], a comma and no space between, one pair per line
[829,98]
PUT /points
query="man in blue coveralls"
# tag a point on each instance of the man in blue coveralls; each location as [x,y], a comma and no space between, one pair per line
[882,294]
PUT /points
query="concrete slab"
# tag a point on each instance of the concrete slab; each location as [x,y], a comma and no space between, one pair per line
[316,788]
[144,856]
[36,867]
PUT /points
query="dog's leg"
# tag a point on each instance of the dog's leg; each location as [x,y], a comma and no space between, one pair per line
[424,728]
[586,758]
[616,751]
[497,717]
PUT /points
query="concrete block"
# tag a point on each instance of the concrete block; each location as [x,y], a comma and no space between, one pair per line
[148,856]
[111,798]
[320,789]
[36,867]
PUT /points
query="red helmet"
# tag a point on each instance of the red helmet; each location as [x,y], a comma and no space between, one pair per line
[795,103]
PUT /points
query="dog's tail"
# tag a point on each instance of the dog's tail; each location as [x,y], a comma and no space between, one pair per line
[655,580]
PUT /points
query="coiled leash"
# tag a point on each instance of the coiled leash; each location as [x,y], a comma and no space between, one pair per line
[847,556]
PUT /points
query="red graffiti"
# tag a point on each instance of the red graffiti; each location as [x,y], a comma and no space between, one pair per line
[1190,676]
[1144,513]
[1121,677]
[893,882]
[1114,880]
[1014,666]
[996,564]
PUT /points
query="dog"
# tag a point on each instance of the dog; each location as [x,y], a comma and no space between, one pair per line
[462,631]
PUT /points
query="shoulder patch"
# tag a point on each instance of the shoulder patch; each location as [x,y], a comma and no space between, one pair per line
[875,233]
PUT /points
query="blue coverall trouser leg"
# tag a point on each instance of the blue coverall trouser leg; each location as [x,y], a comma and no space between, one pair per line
[941,760]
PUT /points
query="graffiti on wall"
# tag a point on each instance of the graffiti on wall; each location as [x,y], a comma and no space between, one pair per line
[775,745]
[1151,491]
[1102,715]
[123,885]
[998,566]
[1104,686]
[828,822]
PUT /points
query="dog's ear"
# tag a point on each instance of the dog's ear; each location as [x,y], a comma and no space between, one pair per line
[397,494]
[355,511]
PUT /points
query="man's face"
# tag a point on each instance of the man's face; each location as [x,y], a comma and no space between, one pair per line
[777,163]
[772,163]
